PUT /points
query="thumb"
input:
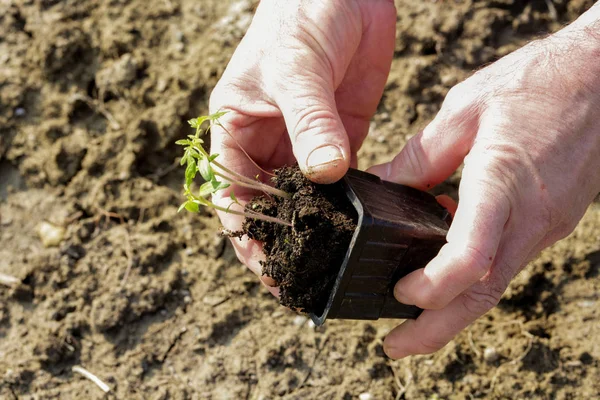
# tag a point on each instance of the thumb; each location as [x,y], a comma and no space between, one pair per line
[317,134]
[432,155]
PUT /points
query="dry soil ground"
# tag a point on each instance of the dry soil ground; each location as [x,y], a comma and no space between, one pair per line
[92,96]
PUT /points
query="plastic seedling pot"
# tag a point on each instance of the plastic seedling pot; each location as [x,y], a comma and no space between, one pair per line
[399,230]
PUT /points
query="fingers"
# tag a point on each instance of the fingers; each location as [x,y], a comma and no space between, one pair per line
[473,240]
[317,134]
[436,328]
[436,152]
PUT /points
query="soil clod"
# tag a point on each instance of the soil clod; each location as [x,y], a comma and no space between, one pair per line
[304,259]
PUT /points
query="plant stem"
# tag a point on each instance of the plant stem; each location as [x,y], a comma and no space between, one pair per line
[255,184]
[241,178]
[262,187]
[250,214]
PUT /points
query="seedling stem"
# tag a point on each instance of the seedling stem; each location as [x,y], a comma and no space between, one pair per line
[197,160]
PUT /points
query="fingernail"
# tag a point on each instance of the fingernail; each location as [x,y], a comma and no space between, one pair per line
[267,280]
[391,351]
[399,295]
[325,155]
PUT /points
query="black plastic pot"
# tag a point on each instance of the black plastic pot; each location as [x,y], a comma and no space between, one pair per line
[399,230]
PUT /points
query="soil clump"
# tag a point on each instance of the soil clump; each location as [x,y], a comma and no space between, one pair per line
[303,259]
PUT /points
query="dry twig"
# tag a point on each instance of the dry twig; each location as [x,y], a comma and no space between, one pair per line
[91,377]
[312,365]
[514,361]
[8,280]
[402,388]
[129,253]
[99,108]
[472,344]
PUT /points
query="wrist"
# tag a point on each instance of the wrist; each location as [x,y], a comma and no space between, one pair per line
[579,46]
[585,29]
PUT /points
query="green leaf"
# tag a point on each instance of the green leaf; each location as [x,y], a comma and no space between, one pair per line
[229,206]
[195,141]
[181,207]
[206,189]
[212,157]
[217,115]
[190,171]
[194,153]
[197,122]
[184,158]
[232,196]
[219,185]
[206,169]
[184,142]
[192,207]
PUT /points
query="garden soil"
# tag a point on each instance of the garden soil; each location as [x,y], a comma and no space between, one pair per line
[92,96]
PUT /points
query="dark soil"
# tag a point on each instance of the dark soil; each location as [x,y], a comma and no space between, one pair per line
[304,259]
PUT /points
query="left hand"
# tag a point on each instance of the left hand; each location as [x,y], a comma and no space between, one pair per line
[528,130]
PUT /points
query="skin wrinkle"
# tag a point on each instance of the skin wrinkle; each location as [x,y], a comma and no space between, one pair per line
[312,119]
[337,72]
[320,49]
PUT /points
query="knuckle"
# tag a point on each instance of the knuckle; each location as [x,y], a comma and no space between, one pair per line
[564,229]
[477,260]
[460,96]
[556,218]
[455,93]
[481,298]
[503,272]
[412,158]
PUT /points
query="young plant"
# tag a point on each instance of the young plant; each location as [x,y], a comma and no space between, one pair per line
[217,177]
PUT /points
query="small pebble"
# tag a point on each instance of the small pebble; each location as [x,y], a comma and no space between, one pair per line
[213,300]
[187,299]
[586,303]
[573,363]
[311,324]
[490,355]
[299,320]
[51,235]
[161,85]
[365,396]
[179,46]
[19,112]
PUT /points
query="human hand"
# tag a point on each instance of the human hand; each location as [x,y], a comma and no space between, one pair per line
[528,130]
[302,85]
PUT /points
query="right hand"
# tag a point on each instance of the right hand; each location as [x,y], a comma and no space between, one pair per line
[301,87]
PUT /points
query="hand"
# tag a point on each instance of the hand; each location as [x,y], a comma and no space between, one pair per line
[302,85]
[528,130]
